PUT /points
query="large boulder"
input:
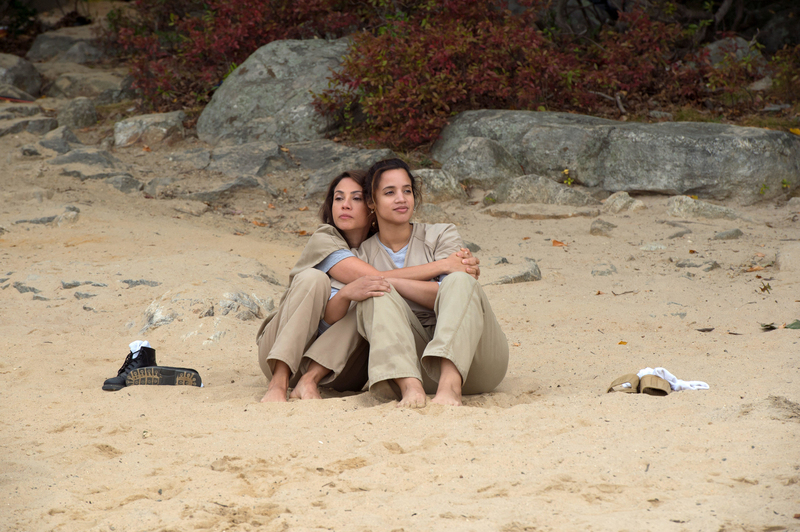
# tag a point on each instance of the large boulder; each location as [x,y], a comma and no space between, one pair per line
[713,161]
[149,129]
[19,73]
[538,189]
[268,97]
[482,162]
[49,44]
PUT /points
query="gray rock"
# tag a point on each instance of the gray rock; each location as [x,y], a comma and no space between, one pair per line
[715,161]
[15,92]
[23,288]
[439,186]
[80,53]
[787,259]
[89,163]
[246,315]
[481,162]
[125,183]
[49,44]
[794,204]
[78,113]
[538,189]
[200,158]
[20,73]
[621,201]
[244,300]
[57,145]
[30,151]
[84,295]
[149,129]
[734,50]
[68,285]
[18,110]
[251,159]
[472,246]
[431,213]
[156,186]
[44,220]
[653,246]
[268,97]
[195,208]
[603,269]
[660,115]
[531,273]
[686,207]
[267,304]
[224,191]
[157,316]
[732,234]
[679,234]
[140,282]
[69,217]
[601,228]
[313,154]
[61,133]
[40,126]
[538,212]
[37,297]
[102,86]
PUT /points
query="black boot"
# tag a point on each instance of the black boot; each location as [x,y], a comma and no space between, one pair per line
[145,358]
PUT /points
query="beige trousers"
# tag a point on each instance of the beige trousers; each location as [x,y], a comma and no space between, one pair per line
[466,333]
[290,336]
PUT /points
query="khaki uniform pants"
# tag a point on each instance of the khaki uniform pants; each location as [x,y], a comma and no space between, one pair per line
[466,333]
[290,335]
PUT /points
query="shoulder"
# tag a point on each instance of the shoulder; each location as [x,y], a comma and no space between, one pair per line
[434,234]
[327,235]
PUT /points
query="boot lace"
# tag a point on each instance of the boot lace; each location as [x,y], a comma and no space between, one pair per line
[127,365]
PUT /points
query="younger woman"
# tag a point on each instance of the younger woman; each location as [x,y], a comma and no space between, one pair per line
[327,269]
[437,336]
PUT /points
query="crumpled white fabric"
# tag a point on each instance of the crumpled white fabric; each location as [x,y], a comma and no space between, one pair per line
[137,345]
[675,383]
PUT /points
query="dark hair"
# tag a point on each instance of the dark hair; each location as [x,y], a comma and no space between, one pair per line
[326,209]
[376,171]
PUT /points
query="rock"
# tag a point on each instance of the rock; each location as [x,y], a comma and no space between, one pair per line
[684,206]
[715,161]
[102,86]
[653,246]
[793,204]
[61,133]
[734,50]
[68,285]
[481,162]
[125,183]
[268,97]
[251,159]
[140,282]
[69,217]
[149,129]
[732,234]
[49,44]
[244,300]
[40,126]
[601,228]
[9,111]
[84,295]
[80,53]
[157,316]
[30,151]
[314,154]
[472,246]
[195,208]
[431,213]
[621,201]
[44,220]
[222,192]
[537,212]
[78,113]
[439,186]
[660,115]
[763,84]
[11,91]
[89,163]
[531,273]
[23,288]
[20,73]
[679,234]
[267,304]
[603,269]
[788,257]
[538,189]
[58,145]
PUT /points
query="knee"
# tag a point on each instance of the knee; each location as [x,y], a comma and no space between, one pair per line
[312,278]
[460,279]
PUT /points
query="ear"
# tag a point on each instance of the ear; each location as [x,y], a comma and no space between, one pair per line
[370,204]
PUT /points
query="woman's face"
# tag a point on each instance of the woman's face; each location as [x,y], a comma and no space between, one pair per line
[394,197]
[350,212]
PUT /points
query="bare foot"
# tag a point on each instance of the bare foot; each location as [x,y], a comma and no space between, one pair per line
[306,389]
[275,394]
[449,390]
[413,395]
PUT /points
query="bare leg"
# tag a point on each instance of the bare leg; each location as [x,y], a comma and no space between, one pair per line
[413,395]
[449,390]
[278,384]
[307,385]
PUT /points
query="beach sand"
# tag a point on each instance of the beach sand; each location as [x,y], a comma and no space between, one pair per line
[548,450]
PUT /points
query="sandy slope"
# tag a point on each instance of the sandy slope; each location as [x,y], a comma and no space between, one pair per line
[549,450]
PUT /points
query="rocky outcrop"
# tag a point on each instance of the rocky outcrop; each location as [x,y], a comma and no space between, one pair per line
[19,73]
[713,161]
[268,97]
[149,129]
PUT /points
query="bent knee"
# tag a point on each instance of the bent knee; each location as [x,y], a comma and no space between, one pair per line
[312,277]
[459,278]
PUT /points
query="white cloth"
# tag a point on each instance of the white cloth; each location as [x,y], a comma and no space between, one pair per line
[137,345]
[675,383]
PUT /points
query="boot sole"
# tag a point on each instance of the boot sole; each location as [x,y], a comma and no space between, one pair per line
[163,376]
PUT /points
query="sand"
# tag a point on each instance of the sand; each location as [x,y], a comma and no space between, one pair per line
[548,450]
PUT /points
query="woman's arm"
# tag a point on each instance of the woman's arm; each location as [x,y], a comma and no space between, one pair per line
[359,290]
[420,292]
[351,268]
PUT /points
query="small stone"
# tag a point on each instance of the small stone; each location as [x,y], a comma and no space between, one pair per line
[472,246]
[653,246]
[680,233]
[140,282]
[246,315]
[502,260]
[68,217]
[39,221]
[29,151]
[732,234]
[711,265]
[533,273]
[603,269]
[84,295]
[22,288]
[601,228]
[209,312]
[37,297]
[68,285]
